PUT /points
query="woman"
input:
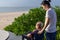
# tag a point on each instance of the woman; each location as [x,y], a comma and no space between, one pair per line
[50,21]
[34,34]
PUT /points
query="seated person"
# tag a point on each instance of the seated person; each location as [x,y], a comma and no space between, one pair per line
[34,34]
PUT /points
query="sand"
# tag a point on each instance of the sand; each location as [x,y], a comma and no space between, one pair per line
[8,17]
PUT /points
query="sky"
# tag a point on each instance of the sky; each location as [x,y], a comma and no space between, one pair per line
[25,3]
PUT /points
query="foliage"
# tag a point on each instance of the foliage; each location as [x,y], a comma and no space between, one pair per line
[27,21]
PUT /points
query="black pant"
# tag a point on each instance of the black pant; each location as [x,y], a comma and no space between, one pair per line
[25,37]
[51,36]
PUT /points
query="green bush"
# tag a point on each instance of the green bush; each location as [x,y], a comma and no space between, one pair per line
[26,22]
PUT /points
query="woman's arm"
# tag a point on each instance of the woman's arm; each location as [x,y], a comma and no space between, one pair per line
[45,25]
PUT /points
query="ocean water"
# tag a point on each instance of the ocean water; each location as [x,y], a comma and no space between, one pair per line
[14,9]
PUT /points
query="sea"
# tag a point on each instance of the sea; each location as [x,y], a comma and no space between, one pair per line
[15,9]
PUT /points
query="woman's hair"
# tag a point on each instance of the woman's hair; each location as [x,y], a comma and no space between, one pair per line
[46,2]
[39,23]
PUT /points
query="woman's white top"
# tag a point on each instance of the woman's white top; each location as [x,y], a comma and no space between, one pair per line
[51,14]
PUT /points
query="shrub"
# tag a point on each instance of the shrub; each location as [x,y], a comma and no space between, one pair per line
[26,22]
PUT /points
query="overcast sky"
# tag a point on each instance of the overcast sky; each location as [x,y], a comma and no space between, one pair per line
[24,3]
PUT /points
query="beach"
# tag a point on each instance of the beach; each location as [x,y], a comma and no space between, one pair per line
[7,18]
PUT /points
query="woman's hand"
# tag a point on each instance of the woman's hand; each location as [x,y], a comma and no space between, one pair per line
[40,32]
[34,30]
[29,35]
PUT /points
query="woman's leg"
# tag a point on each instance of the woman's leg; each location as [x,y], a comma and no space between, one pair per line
[39,36]
[25,37]
[50,36]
